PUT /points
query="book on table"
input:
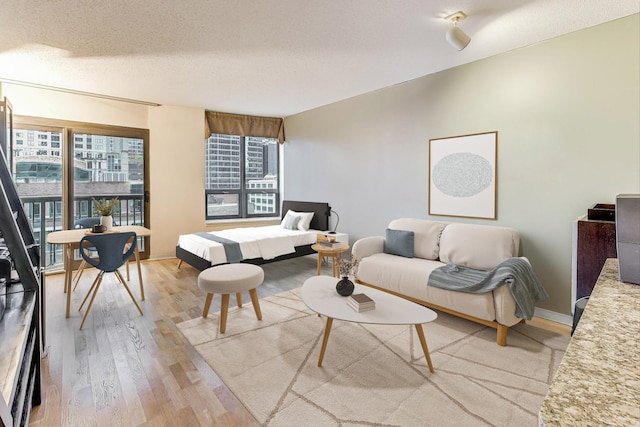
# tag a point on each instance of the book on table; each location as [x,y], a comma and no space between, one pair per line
[330,244]
[361,302]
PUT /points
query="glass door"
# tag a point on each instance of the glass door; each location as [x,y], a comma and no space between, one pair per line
[61,167]
[107,166]
[37,165]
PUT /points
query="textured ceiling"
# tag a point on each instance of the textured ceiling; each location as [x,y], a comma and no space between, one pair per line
[267,57]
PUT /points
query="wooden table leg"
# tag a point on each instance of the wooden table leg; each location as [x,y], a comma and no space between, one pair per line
[68,261]
[334,265]
[320,256]
[137,254]
[425,349]
[325,339]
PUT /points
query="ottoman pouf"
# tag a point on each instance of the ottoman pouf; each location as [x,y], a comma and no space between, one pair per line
[227,279]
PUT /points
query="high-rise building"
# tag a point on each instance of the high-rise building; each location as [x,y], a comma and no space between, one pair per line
[97,158]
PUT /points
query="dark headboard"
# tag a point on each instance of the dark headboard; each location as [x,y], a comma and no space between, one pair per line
[320,220]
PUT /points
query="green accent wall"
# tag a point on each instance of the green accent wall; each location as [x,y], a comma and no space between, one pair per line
[567,113]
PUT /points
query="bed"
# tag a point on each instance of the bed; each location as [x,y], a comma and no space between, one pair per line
[256,245]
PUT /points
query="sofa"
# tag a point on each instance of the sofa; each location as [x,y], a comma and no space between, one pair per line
[401,261]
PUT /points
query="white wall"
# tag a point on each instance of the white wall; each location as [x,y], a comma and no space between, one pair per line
[176,159]
[50,104]
[567,115]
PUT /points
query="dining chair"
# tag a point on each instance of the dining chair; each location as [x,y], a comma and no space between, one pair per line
[88,222]
[112,254]
[84,223]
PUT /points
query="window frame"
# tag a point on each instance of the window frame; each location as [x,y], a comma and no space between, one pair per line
[244,192]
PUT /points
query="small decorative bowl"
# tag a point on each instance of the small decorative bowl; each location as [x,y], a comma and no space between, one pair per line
[98,228]
[331,239]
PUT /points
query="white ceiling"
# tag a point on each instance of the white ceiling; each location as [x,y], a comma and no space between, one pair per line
[265,57]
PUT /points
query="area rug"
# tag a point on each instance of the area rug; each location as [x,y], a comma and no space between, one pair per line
[375,375]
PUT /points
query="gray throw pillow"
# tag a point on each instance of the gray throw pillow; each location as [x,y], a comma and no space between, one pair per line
[291,222]
[399,242]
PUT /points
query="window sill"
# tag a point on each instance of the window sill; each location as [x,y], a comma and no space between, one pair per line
[221,224]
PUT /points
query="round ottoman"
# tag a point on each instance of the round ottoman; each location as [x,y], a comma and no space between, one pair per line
[227,279]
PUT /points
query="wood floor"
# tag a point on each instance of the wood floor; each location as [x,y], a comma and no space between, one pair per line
[129,370]
[124,369]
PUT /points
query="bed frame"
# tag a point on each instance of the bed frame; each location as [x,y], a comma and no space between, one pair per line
[320,221]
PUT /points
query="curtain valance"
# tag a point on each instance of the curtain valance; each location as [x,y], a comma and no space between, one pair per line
[238,124]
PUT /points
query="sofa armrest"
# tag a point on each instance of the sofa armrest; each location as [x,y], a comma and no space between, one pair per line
[367,246]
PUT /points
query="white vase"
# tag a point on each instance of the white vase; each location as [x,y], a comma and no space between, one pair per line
[107,221]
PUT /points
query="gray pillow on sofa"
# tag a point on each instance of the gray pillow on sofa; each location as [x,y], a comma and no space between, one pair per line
[399,242]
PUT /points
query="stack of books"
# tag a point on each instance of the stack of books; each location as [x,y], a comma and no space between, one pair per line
[330,244]
[361,302]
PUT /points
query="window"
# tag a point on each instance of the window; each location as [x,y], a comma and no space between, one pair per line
[241,176]
[113,162]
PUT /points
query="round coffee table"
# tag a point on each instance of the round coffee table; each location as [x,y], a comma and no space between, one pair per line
[319,294]
[334,253]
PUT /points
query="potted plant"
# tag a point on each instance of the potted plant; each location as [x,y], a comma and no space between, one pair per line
[348,268]
[105,209]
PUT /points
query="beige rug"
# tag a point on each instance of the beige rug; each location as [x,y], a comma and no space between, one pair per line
[376,375]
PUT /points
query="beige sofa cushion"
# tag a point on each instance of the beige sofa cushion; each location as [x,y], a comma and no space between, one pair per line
[480,247]
[426,235]
[409,277]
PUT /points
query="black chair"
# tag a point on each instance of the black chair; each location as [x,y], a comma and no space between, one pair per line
[88,222]
[112,254]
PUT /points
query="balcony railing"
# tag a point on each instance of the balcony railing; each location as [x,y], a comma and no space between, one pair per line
[45,216]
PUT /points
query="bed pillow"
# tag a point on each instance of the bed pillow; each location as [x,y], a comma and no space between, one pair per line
[305,219]
[290,222]
[284,218]
[399,242]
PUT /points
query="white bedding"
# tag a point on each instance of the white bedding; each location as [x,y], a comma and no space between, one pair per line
[266,242]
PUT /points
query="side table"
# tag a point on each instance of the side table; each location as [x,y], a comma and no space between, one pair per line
[333,252]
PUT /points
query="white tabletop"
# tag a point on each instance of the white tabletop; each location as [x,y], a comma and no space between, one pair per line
[319,294]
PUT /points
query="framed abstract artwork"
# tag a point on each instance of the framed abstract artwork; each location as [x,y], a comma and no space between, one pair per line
[462,175]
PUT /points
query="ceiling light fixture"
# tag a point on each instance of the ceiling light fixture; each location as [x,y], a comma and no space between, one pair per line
[455,36]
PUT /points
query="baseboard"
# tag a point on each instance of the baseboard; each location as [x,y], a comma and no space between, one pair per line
[553,316]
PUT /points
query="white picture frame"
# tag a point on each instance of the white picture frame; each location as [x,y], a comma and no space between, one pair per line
[463,175]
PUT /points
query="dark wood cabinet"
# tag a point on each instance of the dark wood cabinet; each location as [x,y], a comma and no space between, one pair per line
[596,241]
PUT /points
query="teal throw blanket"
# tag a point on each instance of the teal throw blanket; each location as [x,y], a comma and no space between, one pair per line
[516,273]
[231,248]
